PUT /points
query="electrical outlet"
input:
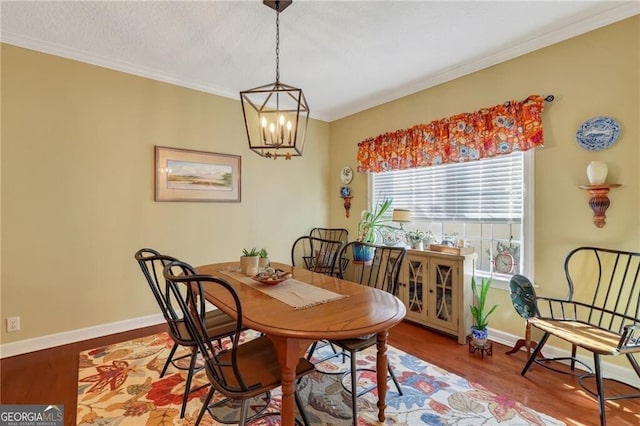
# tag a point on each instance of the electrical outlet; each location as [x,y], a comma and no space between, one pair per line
[13,324]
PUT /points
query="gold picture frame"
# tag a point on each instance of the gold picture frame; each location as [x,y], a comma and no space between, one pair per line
[188,175]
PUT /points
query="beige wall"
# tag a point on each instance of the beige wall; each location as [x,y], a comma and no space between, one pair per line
[77,174]
[590,75]
[77,190]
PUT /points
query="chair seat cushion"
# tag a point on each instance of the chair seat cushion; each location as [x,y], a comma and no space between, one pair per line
[356,344]
[580,334]
[218,323]
[258,364]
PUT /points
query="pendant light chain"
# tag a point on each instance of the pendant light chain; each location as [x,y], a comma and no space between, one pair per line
[277,42]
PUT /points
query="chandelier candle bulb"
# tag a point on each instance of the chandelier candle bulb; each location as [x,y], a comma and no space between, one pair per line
[272,129]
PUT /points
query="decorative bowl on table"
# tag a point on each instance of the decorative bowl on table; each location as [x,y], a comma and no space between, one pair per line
[272,276]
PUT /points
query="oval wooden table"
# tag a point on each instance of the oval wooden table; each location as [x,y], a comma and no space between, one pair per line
[365,311]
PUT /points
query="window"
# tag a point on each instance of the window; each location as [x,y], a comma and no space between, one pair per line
[483,202]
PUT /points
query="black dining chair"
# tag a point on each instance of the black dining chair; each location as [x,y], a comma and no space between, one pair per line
[334,234]
[316,254]
[372,266]
[219,324]
[241,371]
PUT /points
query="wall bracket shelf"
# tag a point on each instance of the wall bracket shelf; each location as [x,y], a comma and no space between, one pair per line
[599,202]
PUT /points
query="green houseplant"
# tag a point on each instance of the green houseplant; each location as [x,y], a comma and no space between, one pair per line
[250,252]
[479,310]
[371,222]
[369,227]
[264,258]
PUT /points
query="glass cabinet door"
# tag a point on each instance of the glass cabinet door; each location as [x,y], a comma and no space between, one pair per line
[434,288]
[415,284]
[444,279]
[415,302]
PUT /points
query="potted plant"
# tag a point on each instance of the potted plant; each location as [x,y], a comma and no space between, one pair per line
[416,239]
[370,225]
[479,312]
[249,261]
[264,258]
[371,222]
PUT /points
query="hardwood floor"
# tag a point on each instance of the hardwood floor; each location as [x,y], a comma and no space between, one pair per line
[51,376]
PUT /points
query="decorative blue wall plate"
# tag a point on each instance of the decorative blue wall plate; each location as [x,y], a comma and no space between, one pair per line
[598,133]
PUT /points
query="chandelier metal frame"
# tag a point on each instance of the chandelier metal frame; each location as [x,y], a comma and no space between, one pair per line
[276,115]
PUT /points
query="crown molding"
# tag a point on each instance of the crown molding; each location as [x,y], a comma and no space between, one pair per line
[588,23]
[44,46]
[574,29]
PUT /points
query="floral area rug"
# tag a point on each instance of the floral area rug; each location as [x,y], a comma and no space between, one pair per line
[120,385]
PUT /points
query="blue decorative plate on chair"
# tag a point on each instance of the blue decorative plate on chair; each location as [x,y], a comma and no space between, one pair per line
[598,133]
[523,296]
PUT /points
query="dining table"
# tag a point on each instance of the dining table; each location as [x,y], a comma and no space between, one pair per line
[305,308]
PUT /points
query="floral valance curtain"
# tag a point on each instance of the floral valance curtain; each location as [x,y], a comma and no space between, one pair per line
[502,129]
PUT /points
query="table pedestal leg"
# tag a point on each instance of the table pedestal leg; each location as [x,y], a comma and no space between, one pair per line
[381,373]
[289,353]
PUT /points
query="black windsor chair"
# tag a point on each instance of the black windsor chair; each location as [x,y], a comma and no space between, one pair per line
[600,314]
[335,234]
[373,266]
[316,254]
[219,324]
[241,371]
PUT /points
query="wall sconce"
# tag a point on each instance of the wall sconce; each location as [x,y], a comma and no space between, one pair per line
[599,202]
[345,194]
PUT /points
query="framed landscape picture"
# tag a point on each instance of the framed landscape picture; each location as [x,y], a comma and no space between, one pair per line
[187,175]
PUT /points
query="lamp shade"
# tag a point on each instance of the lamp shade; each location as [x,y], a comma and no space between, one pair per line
[401,215]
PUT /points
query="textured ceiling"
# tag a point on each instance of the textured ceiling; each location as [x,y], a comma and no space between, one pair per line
[347,56]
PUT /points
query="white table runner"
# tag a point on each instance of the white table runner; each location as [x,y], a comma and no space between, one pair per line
[293,292]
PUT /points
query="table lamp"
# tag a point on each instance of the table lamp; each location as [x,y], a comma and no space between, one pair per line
[401,216]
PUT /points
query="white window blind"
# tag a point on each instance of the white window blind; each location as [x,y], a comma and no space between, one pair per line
[489,190]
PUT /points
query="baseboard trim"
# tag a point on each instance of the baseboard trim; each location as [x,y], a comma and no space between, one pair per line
[626,375]
[612,371]
[45,342]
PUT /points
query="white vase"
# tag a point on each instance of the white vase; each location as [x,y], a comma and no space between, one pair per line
[597,172]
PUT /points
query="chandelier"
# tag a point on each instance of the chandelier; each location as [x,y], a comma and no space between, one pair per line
[276,114]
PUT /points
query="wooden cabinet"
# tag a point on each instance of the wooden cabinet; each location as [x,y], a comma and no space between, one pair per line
[436,289]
